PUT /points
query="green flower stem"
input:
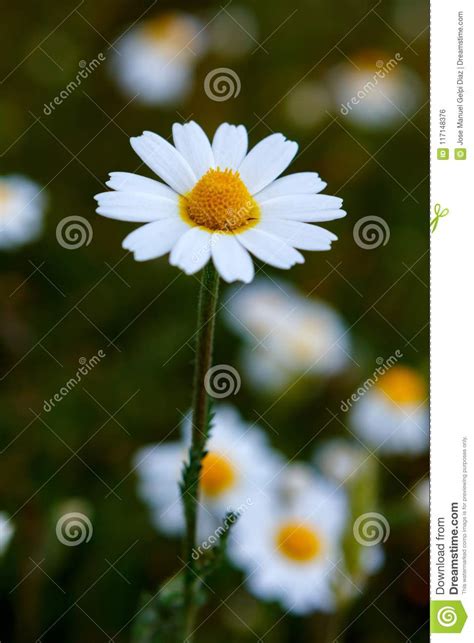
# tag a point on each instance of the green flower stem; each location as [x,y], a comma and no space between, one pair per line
[200,430]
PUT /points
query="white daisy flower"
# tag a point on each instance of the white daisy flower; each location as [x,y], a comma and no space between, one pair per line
[393,416]
[21,211]
[287,334]
[220,201]
[340,460]
[236,473]
[290,547]
[154,62]
[6,532]
[377,90]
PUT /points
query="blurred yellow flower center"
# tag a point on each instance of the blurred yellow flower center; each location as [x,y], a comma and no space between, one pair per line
[5,195]
[304,339]
[169,31]
[403,385]
[217,474]
[298,542]
[220,202]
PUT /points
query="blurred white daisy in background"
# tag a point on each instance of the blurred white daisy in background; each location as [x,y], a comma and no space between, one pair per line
[234,32]
[237,472]
[155,60]
[376,90]
[307,105]
[340,460]
[287,335]
[421,497]
[21,211]
[220,202]
[6,532]
[290,547]
[393,416]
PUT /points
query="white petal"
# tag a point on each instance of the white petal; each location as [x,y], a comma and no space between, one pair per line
[165,161]
[127,182]
[231,259]
[270,249]
[229,145]
[266,161]
[127,206]
[155,239]
[192,251]
[303,207]
[299,183]
[193,144]
[299,235]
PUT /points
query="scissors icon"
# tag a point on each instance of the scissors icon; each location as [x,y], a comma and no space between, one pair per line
[439,214]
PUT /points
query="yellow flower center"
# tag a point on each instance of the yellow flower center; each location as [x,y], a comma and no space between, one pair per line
[217,474]
[220,202]
[403,385]
[298,542]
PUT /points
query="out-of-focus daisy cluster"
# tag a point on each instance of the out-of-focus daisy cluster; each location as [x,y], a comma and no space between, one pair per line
[292,537]
[155,61]
[310,532]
